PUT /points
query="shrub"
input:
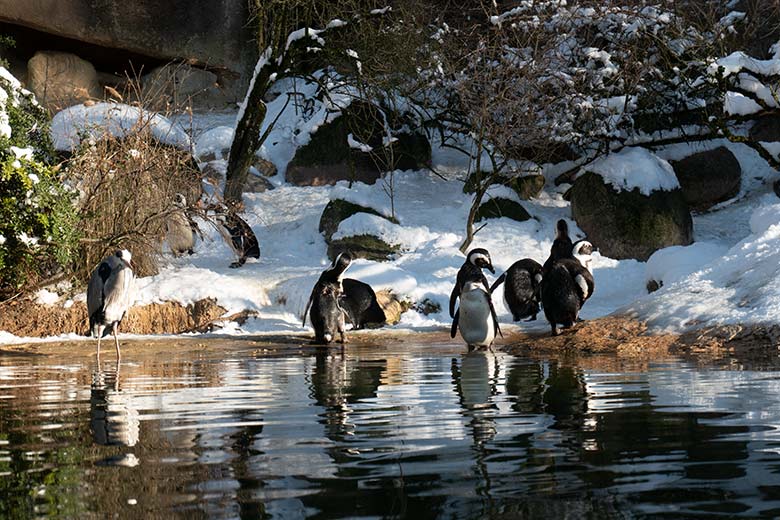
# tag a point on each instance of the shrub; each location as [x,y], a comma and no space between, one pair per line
[38,223]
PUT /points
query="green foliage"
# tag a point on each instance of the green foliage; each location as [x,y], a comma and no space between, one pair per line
[38,222]
[6,42]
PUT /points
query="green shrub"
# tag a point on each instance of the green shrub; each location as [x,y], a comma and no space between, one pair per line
[38,221]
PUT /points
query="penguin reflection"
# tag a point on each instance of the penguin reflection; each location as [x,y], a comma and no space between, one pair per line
[113,419]
[475,382]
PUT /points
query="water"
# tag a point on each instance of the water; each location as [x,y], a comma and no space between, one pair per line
[418,431]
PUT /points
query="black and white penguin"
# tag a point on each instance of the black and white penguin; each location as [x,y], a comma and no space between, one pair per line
[567,286]
[475,317]
[521,288]
[561,246]
[326,302]
[238,235]
[361,305]
[471,270]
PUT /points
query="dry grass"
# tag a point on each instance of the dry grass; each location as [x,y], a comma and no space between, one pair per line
[127,191]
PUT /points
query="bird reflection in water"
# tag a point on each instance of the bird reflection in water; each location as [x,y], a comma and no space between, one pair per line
[113,418]
[476,382]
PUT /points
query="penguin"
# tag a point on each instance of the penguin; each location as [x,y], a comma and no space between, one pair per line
[476,317]
[521,289]
[567,286]
[471,270]
[360,304]
[561,246]
[179,230]
[238,235]
[776,187]
[327,302]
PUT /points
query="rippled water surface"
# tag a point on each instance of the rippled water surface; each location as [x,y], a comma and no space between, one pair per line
[414,432]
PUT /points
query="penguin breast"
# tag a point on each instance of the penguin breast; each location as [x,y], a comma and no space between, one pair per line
[476,321]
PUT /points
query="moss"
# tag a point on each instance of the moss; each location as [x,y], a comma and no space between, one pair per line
[499,207]
[628,224]
[339,210]
[363,246]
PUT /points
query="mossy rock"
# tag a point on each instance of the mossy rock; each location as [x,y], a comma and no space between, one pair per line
[499,207]
[363,246]
[327,158]
[339,210]
[627,224]
[526,186]
[709,177]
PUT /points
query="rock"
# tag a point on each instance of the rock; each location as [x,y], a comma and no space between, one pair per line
[628,224]
[179,85]
[766,128]
[526,186]
[427,306]
[328,158]
[211,33]
[708,177]
[362,246]
[264,167]
[213,171]
[499,207]
[391,305]
[339,210]
[60,80]
[257,183]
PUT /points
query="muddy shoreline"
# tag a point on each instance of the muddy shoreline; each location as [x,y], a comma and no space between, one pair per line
[620,337]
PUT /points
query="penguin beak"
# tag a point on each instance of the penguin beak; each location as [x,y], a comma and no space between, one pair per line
[492,270]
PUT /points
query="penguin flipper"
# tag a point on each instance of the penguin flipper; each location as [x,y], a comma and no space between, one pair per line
[308,305]
[453,298]
[498,282]
[454,328]
[495,318]
[485,283]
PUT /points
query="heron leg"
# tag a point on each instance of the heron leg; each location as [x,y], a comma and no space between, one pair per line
[116,341]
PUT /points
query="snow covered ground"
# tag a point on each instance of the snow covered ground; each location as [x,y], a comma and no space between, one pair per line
[732,273]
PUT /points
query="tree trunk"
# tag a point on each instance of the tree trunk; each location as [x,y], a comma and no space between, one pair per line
[246,140]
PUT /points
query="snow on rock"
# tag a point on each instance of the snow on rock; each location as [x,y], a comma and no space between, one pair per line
[633,168]
[362,195]
[366,224]
[740,286]
[740,105]
[215,140]
[673,263]
[69,126]
[765,216]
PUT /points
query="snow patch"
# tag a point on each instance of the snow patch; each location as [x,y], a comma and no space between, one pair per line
[635,168]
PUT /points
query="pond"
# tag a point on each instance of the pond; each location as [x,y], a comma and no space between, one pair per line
[416,430]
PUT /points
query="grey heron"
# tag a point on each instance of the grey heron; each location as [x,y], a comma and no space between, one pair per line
[109,295]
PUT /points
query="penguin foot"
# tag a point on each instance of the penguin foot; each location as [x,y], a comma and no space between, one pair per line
[343,339]
[554,330]
[532,318]
[238,263]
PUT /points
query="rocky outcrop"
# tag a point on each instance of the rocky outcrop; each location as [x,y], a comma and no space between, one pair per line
[60,80]
[328,158]
[627,224]
[709,177]
[498,207]
[766,128]
[210,34]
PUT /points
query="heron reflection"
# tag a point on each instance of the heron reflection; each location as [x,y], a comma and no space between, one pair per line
[113,418]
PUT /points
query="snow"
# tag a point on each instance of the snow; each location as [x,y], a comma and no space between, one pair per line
[408,238]
[70,126]
[740,105]
[46,297]
[674,263]
[215,140]
[635,168]
[357,145]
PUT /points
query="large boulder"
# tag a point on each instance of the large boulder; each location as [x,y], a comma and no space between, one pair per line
[498,207]
[526,186]
[179,84]
[328,157]
[708,177]
[60,80]
[766,128]
[628,224]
